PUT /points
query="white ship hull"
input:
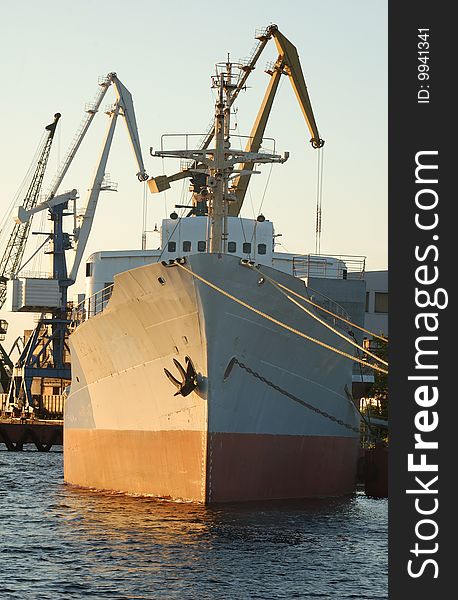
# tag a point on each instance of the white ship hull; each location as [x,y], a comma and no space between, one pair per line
[235,437]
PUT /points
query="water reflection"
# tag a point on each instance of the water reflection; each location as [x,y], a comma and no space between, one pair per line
[123,516]
[85,544]
[314,548]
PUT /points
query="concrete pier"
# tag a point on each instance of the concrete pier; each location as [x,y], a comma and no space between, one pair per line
[15,433]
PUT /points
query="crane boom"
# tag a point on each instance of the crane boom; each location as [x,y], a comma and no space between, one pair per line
[91,111]
[82,235]
[162,182]
[254,141]
[11,260]
[293,69]
[127,107]
[263,37]
[287,63]
[123,106]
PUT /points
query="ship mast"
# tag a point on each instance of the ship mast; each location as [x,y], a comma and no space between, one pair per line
[221,171]
[220,161]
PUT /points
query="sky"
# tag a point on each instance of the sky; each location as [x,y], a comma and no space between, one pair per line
[53,53]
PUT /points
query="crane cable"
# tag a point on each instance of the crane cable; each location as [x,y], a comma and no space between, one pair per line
[26,181]
[317,318]
[277,322]
[319,198]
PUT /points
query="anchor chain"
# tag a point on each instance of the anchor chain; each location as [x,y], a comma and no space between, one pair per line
[235,361]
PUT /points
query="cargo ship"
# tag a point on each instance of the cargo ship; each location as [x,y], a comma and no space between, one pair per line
[215,369]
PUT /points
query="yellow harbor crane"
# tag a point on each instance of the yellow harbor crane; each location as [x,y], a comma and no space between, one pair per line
[288,64]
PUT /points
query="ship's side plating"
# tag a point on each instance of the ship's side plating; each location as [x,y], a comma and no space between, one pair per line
[236,437]
[124,429]
[262,444]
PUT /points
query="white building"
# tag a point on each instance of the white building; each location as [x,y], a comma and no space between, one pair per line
[376,317]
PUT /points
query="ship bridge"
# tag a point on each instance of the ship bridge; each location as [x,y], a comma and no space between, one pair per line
[247,238]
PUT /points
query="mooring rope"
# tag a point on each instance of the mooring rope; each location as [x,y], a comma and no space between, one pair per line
[317,318]
[277,322]
[329,312]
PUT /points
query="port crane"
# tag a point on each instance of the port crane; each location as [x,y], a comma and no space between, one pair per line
[288,64]
[10,262]
[45,355]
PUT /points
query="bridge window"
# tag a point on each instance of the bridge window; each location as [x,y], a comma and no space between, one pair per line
[381,302]
[88,269]
[231,247]
[246,248]
[201,246]
[262,248]
[187,246]
[172,246]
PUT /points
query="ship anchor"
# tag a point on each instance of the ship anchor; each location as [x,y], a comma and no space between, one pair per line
[188,381]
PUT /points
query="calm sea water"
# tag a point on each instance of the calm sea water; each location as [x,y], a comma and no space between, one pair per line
[60,542]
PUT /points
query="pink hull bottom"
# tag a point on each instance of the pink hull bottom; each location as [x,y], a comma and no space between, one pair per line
[214,467]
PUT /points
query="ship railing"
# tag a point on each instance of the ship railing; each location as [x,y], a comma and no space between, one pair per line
[187,142]
[270,67]
[92,305]
[332,267]
[35,275]
[52,406]
[329,305]
[107,184]
[261,32]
